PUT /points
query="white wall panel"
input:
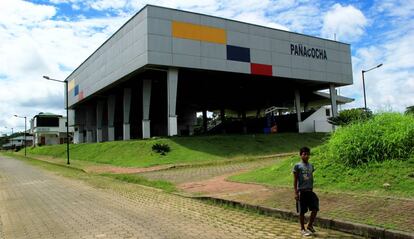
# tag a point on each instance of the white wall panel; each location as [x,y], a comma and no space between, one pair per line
[212,21]
[159,58]
[186,17]
[299,39]
[214,64]
[280,46]
[300,73]
[186,61]
[159,26]
[258,42]
[186,47]
[159,43]
[237,66]
[237,26]
[300,62]
[317,75]
[159,12]
[258,31]
[281,59]
[282,71]
[235,38]
[261,56]
[212,50]
[280,35]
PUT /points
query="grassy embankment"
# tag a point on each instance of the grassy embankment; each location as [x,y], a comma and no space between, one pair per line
[369,157]
[184,150]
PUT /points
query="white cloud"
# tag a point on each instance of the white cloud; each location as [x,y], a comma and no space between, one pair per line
[390,87]
[38,45]
[347,22]
[24,13]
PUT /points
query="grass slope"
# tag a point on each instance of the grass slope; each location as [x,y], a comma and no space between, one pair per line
[138,153]
[334,176]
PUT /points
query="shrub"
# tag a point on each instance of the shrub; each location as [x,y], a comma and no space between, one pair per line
[346,117]
[161,148]
[385,137]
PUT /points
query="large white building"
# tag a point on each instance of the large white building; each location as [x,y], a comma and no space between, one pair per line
[49,129]
[164,65]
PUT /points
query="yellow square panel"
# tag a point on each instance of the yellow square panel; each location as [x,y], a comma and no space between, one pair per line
[198,32]
[71,85]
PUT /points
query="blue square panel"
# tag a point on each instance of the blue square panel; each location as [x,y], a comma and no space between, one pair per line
[76,90]
[236,53]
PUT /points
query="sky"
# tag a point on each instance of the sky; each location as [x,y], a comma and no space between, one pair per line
[53,37]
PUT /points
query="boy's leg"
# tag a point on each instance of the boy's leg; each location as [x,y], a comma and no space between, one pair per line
[312,218]
[314,207]
[302,221]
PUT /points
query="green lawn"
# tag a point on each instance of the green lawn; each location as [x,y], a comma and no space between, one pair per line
[185,150]
[329,176]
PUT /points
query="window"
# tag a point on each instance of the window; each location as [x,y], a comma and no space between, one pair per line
[47,122]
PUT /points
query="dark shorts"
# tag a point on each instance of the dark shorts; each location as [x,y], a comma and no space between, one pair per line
[308,201]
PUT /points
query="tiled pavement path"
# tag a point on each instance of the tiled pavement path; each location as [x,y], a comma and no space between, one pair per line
[198,173]
[38,204]
[394,213]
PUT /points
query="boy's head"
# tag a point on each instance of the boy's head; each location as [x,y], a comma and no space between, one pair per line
[304,154]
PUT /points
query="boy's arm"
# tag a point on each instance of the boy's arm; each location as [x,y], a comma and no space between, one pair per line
[295,185]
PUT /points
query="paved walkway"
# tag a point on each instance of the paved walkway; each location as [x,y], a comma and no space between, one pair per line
[38,204]
[198,173]
[387,212]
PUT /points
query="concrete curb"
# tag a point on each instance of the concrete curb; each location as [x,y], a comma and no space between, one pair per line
[335,224]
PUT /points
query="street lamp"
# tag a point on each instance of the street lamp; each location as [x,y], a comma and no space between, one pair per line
[23,117]
[363,82]
[67,114]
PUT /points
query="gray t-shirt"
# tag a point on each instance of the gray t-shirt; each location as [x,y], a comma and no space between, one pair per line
[305,175]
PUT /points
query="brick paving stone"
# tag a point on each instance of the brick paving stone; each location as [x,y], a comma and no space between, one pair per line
[387,212]
[38,204]
[198,173]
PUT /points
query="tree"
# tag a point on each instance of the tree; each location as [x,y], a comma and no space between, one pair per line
[409,110]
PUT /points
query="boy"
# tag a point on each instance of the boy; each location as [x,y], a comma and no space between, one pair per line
[304,195]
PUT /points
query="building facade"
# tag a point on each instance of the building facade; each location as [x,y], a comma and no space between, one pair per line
[164,65]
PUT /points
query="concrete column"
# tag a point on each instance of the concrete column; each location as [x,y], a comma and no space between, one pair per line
[90,124]
[99,116]
[205,121]
[79,121]
[223,119]
[127,110]
[297,104]
[89,136]
[111,117]
[334,107]
[146,102]
[81,138]
[244,121]
[172,81]
[306,107]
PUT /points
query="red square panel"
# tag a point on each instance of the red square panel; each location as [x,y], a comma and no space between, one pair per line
[260,69]
[80,96]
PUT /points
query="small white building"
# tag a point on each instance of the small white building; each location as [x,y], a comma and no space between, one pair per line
[49,129]
[318,121]
[18,142]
